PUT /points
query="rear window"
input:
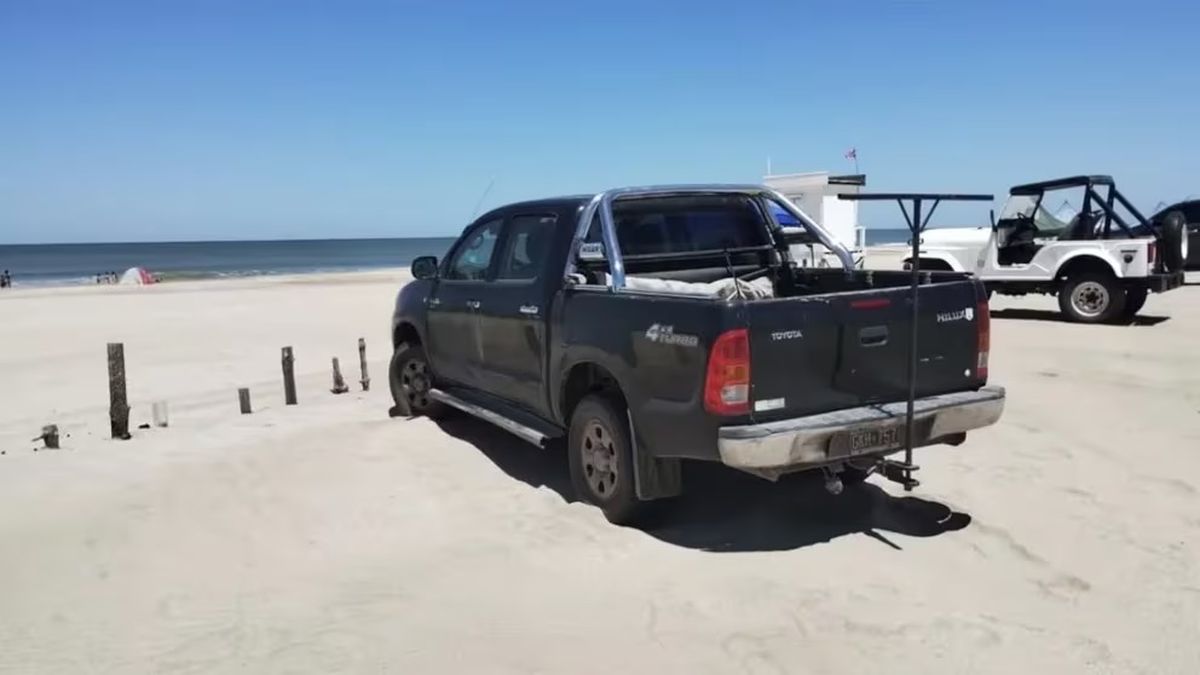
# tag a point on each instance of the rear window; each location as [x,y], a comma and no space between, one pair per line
[661,225]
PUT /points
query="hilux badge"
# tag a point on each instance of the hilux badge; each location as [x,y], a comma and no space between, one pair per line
[967,313]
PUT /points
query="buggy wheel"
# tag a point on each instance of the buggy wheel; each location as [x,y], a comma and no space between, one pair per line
[1091,298]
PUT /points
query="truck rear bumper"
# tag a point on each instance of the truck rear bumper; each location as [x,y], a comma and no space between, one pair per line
[1161,283]
[803,442]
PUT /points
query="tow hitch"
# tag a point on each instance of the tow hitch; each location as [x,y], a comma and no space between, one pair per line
[899,472]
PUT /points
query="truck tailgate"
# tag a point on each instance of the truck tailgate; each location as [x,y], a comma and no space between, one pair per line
[820,353]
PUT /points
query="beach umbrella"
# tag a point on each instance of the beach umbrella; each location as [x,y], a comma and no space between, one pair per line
[137,276]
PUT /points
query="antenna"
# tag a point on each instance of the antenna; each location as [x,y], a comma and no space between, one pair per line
[482,197]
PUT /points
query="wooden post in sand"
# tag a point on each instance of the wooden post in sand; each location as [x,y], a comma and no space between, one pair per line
[244,400]
[362,365]
[289,377]
[118,404]
[339,382]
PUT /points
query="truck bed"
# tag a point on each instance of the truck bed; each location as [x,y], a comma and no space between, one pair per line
[841,341]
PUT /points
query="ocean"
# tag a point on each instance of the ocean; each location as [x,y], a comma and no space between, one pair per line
[66,264]
[72,264]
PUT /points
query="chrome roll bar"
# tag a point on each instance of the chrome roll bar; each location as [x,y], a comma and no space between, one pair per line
[602,203]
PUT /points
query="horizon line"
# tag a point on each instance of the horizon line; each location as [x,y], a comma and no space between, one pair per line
[275,241]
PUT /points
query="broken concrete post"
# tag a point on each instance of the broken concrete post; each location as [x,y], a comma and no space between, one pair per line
[49,436]
[159,413]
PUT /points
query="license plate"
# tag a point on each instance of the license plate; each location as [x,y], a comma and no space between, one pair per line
[861,441]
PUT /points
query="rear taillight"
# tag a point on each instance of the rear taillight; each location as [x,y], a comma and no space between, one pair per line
[983,343]
[870,303]
[727,386]
[1151,253]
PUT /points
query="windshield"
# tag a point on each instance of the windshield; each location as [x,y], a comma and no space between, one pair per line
[1031,207]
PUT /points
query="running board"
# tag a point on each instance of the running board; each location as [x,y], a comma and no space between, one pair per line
[516,428]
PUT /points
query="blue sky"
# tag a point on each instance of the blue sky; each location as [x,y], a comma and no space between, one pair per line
[216,120]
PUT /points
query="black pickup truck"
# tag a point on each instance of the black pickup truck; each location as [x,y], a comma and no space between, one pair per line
[644,326]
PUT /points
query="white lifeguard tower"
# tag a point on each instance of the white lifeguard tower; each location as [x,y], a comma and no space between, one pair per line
[816,193]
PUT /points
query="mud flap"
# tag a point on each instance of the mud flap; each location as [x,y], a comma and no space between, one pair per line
[654,477]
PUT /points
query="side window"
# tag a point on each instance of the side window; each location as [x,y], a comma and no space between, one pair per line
[473,256]
[665,225]
[525,247]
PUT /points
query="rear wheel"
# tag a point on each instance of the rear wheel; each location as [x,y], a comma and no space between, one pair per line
[1135,299]
[600,454]
[1091,298]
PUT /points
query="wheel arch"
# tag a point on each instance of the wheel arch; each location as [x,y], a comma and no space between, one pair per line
[937,262]
[1086,262]
[406,331]
[581,379]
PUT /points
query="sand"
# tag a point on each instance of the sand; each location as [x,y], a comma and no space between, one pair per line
[327,537]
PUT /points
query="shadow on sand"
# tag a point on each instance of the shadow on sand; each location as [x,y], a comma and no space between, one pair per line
[726,510]
[1047,315]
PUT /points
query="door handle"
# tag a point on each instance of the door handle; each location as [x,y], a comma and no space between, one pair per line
[473,304]
[873,336]
[529,309]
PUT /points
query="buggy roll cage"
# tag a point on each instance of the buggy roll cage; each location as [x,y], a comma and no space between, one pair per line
[602,204]
[1106,202]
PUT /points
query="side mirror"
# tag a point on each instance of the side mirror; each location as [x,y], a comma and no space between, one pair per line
[797,236]
[425,267]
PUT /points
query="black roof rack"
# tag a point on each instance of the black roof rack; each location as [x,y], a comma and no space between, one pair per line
[1057,183]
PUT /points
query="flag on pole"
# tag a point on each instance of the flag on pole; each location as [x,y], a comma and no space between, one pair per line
[852,153]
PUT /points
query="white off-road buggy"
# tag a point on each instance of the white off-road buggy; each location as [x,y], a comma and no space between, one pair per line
[1101,259]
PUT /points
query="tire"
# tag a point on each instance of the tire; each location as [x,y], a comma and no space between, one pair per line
[1135,299]
[600,455]
[410,380]
[1091,298]
[1173,241]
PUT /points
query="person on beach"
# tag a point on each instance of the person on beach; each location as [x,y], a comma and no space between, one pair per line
[5,280]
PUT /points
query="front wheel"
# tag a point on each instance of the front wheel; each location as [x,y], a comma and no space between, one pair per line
[410,380]
[600,454]
[1091,298]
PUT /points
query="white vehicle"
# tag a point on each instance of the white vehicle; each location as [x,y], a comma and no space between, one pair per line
[1100,264]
